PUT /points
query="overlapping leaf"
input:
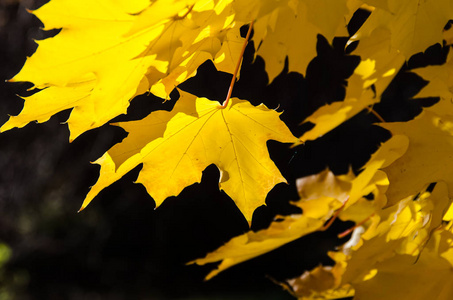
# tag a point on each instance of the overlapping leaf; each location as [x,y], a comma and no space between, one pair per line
[323,282]
[427,159]
[110,51]
[291,30]
[414,25]
[440,85]
[100,60]
[431,273]
[395,236]
[379,65]
[89,65]
[321,195]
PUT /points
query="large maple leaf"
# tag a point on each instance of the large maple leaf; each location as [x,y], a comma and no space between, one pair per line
[88,66]
[428,158]
[414,25]
[378,66]
[440,84]
[431,273]
[103,57]
[195,134]
[321,195]
[392,238]
[291,30]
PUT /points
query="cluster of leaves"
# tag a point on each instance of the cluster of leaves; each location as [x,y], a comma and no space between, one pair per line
[110,51]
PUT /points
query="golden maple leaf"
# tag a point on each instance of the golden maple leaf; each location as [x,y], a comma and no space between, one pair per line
[427,158]
[328,117]
[88,66]
[440,84]
[321,195]
[291,29]
[323,282]
[378,66]
[414,25]
[175,147]
[395,236]
[100,60]
[427,276]
[110,51]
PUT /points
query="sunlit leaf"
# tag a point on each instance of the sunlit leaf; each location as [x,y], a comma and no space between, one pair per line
[195,134]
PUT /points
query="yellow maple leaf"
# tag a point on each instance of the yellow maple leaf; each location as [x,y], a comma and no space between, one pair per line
[371,178]
[378,66]
[427,159]
[195,134]
[208,31]
[291,29]
[401,230]
[448,36]
[251,244]
[89,65]
[440,84]
[155,46]
[105,55]
[379,61]
[414,25]
[431,273]
[323,282]
[321,195]
[329,116]
[320,283]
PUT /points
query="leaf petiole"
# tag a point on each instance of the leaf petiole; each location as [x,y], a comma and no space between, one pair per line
[233,80]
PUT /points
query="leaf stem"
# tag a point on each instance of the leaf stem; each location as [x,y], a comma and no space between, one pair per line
[371,110]
[334,217]
[189,9]
[233,80]
[345,233]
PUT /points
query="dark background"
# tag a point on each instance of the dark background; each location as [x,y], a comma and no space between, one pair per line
[120,247]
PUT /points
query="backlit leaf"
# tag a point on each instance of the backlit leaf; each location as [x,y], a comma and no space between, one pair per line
[414,25]
[428,158]
[431,273]
[321,195]
[195,134]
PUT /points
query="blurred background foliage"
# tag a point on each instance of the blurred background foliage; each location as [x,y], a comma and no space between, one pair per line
[120,247]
